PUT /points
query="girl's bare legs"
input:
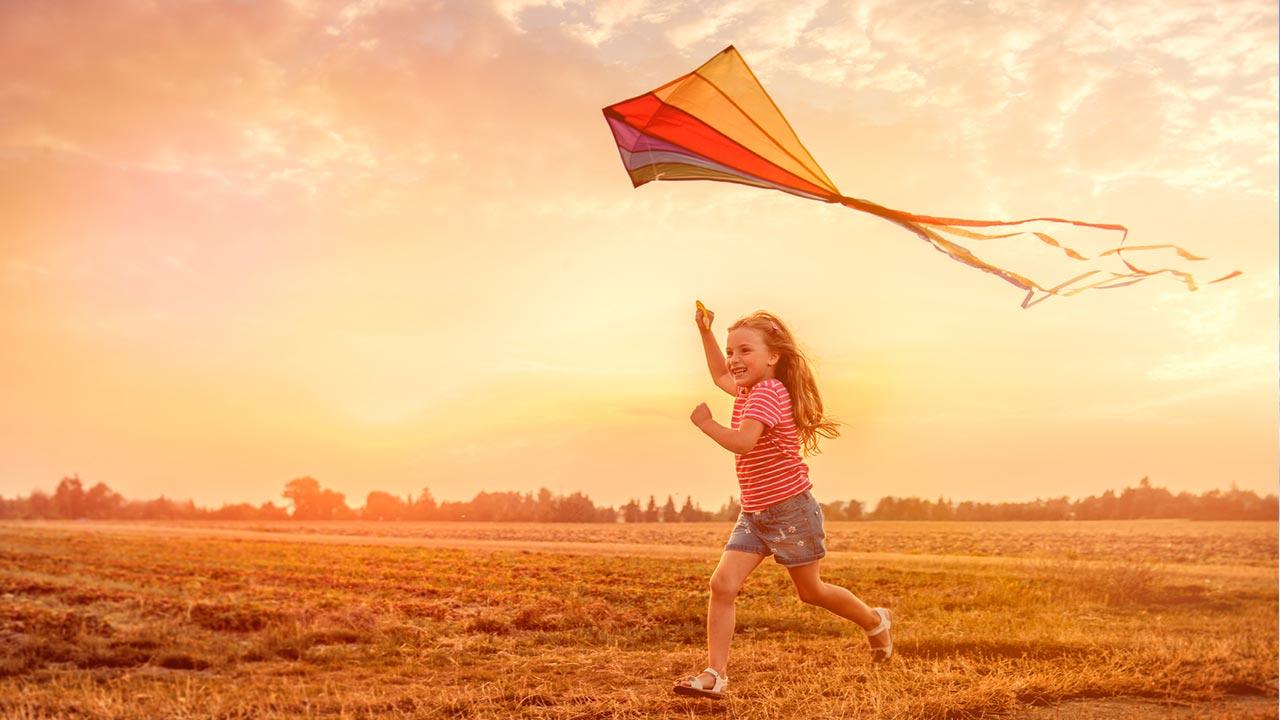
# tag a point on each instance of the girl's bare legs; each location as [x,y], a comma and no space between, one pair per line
[726,581]
[811,589]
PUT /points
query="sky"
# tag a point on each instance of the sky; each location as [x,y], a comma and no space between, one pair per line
[390,245]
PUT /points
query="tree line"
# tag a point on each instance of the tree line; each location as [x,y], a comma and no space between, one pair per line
[1143,501]
[307,500]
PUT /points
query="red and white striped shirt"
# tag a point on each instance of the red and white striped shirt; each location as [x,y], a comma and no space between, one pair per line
[772,471]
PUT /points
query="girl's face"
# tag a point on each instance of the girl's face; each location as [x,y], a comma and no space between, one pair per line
[747,358]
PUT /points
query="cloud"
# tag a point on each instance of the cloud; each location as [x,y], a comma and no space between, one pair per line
[1221,341]
[1249,360]
[352,98]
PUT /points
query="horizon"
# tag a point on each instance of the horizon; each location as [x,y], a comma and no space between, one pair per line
[391,246]
[868,503]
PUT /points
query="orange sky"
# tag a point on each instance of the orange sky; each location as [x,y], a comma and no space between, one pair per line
[390,245]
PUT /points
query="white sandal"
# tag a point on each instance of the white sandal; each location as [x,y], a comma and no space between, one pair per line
[693,686]
[881,654]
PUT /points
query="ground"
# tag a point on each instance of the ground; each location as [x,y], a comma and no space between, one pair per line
[1123,620]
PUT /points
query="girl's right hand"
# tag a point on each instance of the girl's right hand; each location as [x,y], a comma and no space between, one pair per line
[702,316]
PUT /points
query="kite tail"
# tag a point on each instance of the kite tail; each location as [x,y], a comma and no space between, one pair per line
[929,227]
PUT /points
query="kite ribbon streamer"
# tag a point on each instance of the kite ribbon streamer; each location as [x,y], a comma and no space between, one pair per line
[718,123]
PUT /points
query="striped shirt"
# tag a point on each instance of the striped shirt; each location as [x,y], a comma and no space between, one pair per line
[772,471]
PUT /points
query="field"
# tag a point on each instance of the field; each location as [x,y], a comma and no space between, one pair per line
[1024,620]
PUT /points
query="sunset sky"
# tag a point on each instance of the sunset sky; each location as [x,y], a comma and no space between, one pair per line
[390,245]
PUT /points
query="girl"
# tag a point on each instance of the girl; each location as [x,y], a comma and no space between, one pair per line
[776,413]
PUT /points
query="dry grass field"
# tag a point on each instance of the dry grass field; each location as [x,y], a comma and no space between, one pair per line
[1162,541]
[995,620]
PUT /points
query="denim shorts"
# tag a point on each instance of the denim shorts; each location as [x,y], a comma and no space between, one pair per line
[790,530]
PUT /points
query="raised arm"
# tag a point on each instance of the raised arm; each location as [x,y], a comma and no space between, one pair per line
[715,357]
[739,442]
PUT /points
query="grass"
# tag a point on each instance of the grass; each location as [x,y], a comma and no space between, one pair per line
[99,625]
[1168,541]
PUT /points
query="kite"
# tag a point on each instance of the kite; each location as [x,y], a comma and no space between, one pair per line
[718,123]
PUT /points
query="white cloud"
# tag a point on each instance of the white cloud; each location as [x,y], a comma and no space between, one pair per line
[511,10]
[356,11]
[690,31]
[609,16]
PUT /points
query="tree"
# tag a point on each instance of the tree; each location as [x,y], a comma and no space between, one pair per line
[381,505]
[270,511]
[942,510]
[311,502]
[450,510]
[575,508]
[669,512]
[1103,507]
[886,509]
[304,493]
[424,507]
[689,513]
[238,511]
[100,502]
[162,508]
[730,510]
[40,505]
[68,499]
[546,507]
[651,511]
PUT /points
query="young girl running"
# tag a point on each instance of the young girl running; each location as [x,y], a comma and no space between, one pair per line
[777,413]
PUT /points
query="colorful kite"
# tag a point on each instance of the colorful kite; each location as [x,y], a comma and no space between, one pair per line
[718,123]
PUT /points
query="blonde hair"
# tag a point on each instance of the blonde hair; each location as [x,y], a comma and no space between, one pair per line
[793,371]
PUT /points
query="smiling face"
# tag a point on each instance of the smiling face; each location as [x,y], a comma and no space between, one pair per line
[747,358]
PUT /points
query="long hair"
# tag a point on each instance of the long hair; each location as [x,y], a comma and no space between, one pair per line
[793,371]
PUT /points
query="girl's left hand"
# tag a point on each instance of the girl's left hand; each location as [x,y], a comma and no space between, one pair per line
[700,414]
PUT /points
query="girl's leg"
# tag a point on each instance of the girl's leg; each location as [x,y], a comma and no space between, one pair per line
[811,589]
[726,581]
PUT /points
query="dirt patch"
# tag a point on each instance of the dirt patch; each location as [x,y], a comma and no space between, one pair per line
[1233,708]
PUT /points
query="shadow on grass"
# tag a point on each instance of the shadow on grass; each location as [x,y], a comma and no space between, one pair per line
[1124,583]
